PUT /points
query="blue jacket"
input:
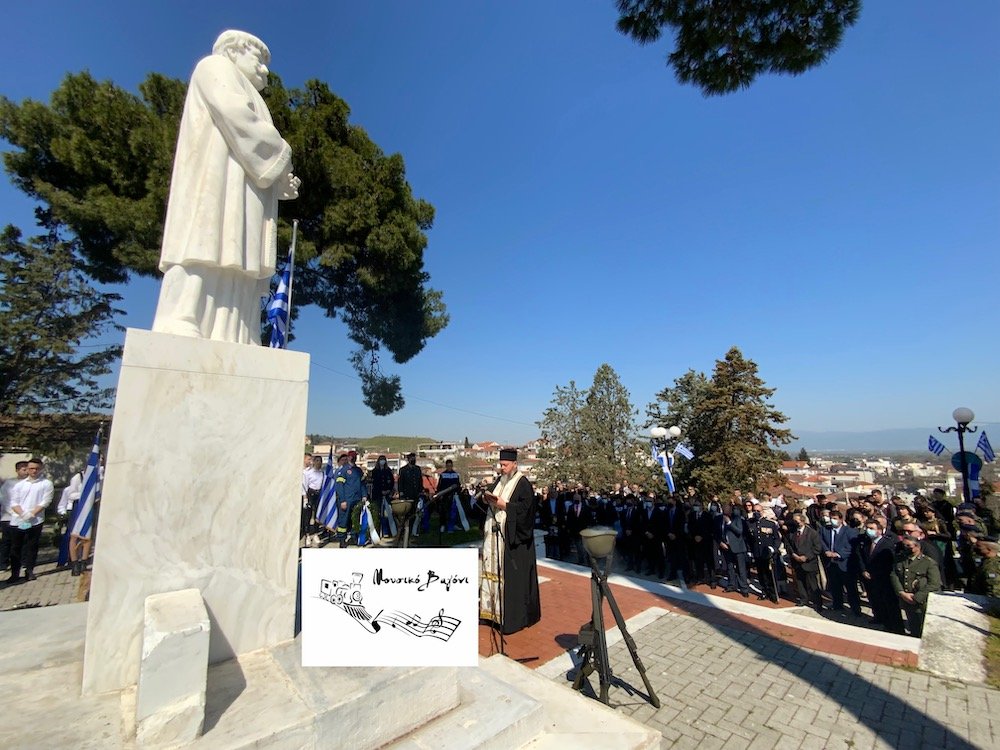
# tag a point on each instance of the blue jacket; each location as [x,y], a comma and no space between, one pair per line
[842,545]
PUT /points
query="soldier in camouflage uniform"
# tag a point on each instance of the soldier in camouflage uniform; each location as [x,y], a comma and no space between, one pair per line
[914,578]
[987,578]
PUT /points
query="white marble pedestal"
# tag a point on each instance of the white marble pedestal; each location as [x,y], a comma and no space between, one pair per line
[201,490]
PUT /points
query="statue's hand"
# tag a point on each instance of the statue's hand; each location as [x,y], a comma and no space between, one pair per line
[289,187]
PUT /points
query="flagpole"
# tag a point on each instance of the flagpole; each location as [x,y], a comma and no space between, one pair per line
[291,277]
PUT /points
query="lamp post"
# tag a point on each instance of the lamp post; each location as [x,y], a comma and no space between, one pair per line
[659,436]
[962,416]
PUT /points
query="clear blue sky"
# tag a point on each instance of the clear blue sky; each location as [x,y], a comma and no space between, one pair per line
[840,227]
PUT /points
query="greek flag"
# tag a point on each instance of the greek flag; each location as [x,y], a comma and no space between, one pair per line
[666,462]
[984,445]
[83,511]
[278,308]
[367,531]
[326,511]
[934,445]
[684,451]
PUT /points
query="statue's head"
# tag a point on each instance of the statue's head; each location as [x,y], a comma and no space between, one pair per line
[247,52]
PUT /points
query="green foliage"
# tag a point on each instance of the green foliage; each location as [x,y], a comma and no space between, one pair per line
[723,46]
[100,158]
[590,435]
[48,309]
[729,424]
[803,455]
[379,443]
[682,406]
[562,435]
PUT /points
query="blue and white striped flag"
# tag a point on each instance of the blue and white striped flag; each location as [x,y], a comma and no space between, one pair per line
[278,309]
[326,510]
[684,451]
[984,445]
[367,530]
[666,462]
[83,512]
[934,445]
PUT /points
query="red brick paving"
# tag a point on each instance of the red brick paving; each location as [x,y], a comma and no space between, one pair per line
[566,605]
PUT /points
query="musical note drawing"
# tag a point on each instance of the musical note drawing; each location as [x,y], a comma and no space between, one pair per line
[441,626]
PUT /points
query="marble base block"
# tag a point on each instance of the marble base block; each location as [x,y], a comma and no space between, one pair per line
[202,490]
[173,673]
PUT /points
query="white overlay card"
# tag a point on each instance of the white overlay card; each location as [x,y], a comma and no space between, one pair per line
[390,607]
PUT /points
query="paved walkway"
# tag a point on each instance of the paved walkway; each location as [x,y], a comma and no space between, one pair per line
[729,679]
[51,587]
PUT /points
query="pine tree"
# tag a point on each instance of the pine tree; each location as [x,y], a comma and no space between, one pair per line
[98,158]
[803,455]
[739,431]
[561,459]
[723,46]
[608,423]
[51,322]
[681,405]
[590,435]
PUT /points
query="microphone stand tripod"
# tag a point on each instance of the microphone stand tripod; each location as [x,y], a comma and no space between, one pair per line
[593,640]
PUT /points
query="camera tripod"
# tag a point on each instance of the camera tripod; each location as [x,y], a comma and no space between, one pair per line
[593,641]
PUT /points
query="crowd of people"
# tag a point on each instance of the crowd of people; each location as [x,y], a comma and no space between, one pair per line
[361,496]
[821,552]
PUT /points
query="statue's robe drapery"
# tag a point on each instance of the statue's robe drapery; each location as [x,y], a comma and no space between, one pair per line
[221,224]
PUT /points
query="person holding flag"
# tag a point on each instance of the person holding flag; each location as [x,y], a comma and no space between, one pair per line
[326,505]
[84,518]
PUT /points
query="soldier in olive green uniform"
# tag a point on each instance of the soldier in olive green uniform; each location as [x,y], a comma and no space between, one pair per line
[987,578]
[915,577]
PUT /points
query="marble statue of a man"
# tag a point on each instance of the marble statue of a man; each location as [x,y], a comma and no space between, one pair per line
[231,169]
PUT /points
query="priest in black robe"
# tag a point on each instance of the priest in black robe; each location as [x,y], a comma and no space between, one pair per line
[508,593]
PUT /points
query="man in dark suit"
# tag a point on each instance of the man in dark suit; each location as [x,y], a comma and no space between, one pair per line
[653,534]
[804,548]
[699,525]
[578,518]
[837,547]
[632,525]
[878,560]
[675,539]
[552,518]
[735,550]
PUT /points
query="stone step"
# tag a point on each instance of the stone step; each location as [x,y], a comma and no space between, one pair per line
[268,699]
[571,719]
[492,714]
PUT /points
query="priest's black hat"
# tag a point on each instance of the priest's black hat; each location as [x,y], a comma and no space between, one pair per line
[508,454]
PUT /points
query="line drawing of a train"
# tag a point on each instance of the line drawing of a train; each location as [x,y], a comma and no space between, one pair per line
[347,596]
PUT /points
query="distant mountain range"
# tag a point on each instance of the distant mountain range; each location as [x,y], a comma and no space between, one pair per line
[905,439]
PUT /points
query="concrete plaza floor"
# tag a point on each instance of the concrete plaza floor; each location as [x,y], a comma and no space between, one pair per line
[734,675]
